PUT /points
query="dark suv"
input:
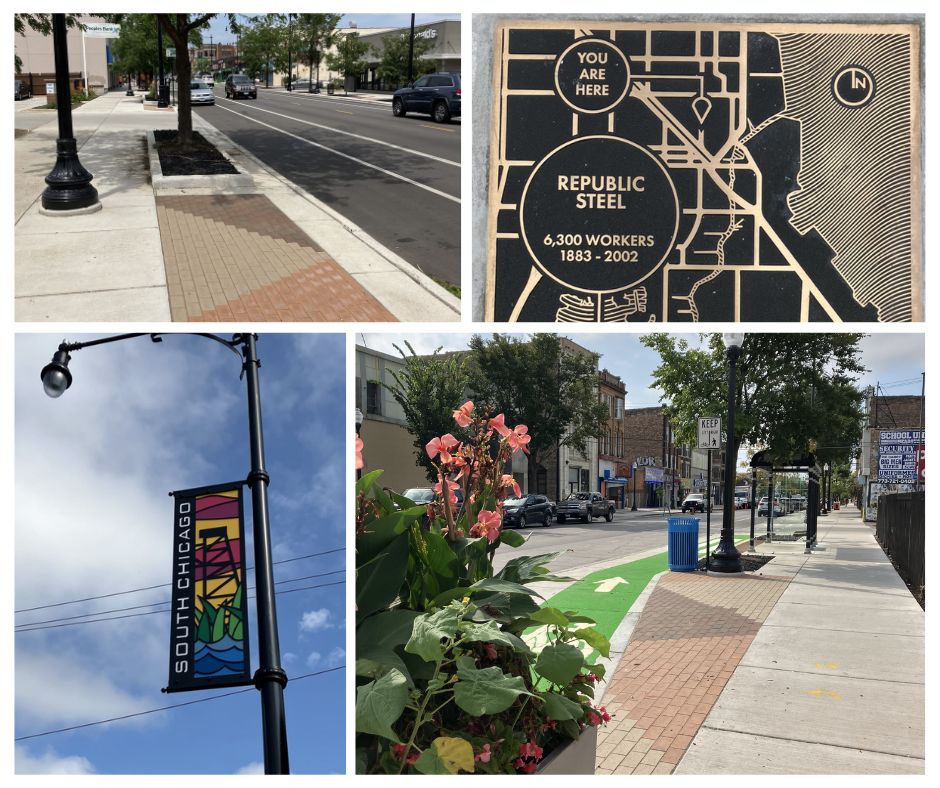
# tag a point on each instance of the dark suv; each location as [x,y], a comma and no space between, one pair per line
[526,510]
[240,86]
[21,90]
[437,95]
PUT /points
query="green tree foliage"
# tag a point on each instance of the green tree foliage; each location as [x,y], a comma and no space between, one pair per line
[135,49]
[393,66]
[349,57]
[537,382]
[794,392]
[263,45]
[41,23]
[314,34]
[429,389]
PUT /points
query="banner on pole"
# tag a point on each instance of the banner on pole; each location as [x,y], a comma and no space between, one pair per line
[209,612]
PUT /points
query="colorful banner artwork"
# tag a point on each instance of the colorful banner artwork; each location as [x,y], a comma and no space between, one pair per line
[209,615]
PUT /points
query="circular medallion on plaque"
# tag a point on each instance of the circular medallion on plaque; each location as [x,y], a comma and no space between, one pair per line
[599,214]
[592,75]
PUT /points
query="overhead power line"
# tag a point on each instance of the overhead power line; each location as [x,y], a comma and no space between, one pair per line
[162,585]
[166,708]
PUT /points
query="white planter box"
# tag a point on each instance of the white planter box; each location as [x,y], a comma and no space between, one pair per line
[576,757]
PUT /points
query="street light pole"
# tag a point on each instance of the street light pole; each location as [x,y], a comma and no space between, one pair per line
[290,42]
[161,97]
[270,678]
[726,558]
[68,185]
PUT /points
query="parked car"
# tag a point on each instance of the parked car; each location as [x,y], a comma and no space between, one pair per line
[21,90]
[585,506]
[240,86]
[419,494]
[200,93]
[742,500]
[763,508]
[207,79]
[527,510]
[437,95]
[694,502]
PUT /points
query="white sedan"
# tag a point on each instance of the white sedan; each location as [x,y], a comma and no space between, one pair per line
[200,93]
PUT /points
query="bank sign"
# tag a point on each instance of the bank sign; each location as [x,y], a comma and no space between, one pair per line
[898,456]
[209,613]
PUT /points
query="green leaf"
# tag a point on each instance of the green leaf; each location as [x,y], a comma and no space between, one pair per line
[559,662]
[380,533]
[429,629]
[446,755]
[491,633]
[506,608]
[206,622]
[550,615]
[570,728]
[487,690]
[380,703]
[597,640]
[529,568]
[218,626]
[503,587]
[378,637]
[512,538]
[379,582]
[558,707]
[367,481]
[440,558]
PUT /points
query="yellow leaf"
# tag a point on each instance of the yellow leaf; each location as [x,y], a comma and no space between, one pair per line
[455,753]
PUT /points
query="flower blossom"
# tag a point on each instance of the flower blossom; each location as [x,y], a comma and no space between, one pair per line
[359,445]
[530,749]
[484,755]
[506,480]
[489,650]
[398,752]
[519,437]
[438,488]
[488,525]
[462,414]
[498,423]
[441,446]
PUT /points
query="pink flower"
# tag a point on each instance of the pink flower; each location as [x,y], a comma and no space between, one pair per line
[549,726]
[593,718]
[484,755]
[506,480]
[488,525]
[359,445]
[530,749]
[462,414]
[490,650]
[518,438]
[451,487]
[441,446]
[592,677]
[498,423]
[398,751]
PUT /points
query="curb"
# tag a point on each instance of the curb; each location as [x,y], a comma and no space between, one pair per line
[451,302]
[161,182]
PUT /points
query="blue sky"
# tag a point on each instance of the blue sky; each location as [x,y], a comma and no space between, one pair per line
[93,469]
[220,34]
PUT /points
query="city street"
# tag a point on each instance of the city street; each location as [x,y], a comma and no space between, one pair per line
[396,178]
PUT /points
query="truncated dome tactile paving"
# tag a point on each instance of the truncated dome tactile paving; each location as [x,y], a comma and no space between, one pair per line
[705,171]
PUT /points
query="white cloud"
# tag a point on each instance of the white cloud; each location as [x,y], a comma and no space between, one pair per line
[315,620]
[336,657]
[252,768]
[314,659]
[50,763]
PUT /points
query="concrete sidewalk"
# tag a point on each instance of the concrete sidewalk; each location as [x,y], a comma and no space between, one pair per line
[813,665]
[250,247]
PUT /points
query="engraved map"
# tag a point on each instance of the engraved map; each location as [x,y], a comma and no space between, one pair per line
[644,172]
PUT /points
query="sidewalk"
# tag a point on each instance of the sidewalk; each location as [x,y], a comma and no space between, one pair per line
[813,665]
[253,248]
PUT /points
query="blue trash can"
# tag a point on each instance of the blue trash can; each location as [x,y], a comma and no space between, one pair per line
[683,544]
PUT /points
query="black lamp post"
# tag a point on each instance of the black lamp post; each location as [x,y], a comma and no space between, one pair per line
[162,98]
[68,185]
[726,558]
[633,508]
[270,678]
[130,88]
[825,494]
[290,42]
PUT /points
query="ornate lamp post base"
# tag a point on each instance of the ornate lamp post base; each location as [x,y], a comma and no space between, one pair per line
[69,186]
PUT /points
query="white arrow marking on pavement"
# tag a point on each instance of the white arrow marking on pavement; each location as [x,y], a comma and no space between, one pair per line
[603,586]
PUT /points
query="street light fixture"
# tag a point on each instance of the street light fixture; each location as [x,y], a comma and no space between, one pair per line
[726,559]
[270,678]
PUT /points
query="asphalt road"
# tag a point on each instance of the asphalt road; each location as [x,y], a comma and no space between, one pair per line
[629,533]
[397,178]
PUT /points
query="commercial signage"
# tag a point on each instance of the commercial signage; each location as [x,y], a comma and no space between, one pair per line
[101,30]
[709,433]
[898,453]
[654,475]
[209,613]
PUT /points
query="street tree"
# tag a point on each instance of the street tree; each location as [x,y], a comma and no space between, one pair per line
[349,57]
[794,392]
[429,389]
[539,383]
[393,64]
[135,48]
[263,44]
[41,23]
[314,34]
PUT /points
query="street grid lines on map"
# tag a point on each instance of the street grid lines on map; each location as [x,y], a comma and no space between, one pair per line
[704,172]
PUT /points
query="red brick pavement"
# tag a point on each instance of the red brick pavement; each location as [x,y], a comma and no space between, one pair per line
[688,641]
[238,257]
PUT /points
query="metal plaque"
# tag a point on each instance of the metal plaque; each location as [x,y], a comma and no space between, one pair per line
[705,171]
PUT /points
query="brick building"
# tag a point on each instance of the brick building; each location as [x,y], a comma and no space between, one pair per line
[613,472]
[664,467]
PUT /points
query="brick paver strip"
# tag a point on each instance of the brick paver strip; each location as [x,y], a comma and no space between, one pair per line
[238,257]
[690,637]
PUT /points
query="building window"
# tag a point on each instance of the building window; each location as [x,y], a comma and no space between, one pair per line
[374,397]
[619,406]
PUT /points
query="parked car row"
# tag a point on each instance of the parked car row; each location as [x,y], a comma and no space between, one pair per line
[437,95]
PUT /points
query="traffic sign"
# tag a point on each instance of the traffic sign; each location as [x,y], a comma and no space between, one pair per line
[709,433]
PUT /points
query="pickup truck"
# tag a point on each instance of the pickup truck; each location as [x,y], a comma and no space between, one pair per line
[585,506]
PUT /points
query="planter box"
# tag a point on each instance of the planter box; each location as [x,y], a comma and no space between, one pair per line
[576,757]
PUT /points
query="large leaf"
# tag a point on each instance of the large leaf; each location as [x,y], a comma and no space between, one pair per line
[378,637]
[380,703]
[512,538]
[505,608]
[558,707]
[530,568]
[491,633]
[446,755]
[487,690]
[367,481]
[499,586]
[379,533]
[550,615]
[559,662]
[206,622]
[595,639]
[429,629]
[440,558]
[379,582]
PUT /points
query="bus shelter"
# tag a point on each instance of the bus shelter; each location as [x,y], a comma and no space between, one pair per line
[793,506]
